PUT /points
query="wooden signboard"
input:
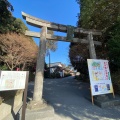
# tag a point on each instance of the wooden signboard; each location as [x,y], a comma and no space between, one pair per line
[100,78]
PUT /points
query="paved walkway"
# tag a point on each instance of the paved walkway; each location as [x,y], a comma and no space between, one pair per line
[67,96]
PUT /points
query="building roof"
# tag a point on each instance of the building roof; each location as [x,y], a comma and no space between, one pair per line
[55,64]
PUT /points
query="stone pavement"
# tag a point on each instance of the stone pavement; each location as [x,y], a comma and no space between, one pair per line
[67,96]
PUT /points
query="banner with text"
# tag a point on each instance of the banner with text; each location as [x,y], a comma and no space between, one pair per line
[12,80]
[100,78]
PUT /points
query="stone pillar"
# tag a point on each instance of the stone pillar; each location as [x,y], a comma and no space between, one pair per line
[93,56]
[91,46]
[37,101]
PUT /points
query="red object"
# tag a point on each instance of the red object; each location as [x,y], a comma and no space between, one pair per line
[18,69]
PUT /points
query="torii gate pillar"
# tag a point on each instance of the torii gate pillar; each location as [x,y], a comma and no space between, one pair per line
[91,46]
[37,101]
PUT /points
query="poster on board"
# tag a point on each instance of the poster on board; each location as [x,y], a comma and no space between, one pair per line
[12,80]
[99,75]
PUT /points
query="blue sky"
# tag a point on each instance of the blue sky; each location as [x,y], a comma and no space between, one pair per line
[59,11]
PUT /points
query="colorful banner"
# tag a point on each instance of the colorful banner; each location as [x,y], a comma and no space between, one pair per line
[12,80]
[100,78]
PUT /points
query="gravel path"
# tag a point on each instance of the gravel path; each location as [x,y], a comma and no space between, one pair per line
[67,96]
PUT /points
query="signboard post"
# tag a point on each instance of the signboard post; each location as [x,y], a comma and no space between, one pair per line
[100,78]
[15,80]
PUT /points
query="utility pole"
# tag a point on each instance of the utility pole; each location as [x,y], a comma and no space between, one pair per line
[49,64]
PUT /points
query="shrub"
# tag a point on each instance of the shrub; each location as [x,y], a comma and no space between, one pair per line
[67,74]
[3,67]
[83,78]
[116,81]
[55,75]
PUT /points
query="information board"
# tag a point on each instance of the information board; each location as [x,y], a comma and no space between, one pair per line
[100,78]
[12,80]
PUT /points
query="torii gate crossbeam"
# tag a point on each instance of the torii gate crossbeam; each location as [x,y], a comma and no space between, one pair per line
[54,26]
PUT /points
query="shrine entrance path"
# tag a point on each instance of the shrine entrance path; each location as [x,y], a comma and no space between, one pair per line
[67,96]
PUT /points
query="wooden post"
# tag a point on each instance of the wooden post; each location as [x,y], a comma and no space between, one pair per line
[25,97]
[113,92]
[91,46]
[91,95]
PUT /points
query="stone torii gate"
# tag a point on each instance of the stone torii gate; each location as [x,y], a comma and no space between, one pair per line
[37,101]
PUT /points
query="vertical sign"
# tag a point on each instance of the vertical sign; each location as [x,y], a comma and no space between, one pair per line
[100,78]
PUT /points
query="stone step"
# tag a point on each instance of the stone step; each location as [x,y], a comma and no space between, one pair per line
[46,113]
[106,103]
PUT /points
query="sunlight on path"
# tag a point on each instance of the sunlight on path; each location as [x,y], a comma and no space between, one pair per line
[67,96]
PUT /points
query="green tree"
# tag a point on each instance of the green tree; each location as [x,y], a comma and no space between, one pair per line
[8,23]
[9,26]
[114,46]
[5,13]
[13,25]
[102,15]
[18,26]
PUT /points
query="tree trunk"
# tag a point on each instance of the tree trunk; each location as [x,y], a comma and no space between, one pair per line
[38,88]
[23,67]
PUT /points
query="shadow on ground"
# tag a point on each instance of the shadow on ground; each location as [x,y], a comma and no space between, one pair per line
[67,96]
